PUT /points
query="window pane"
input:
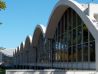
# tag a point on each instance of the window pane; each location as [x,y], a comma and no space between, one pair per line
[92,51]
[74,36]
[85,33]
[79,35]
[69,54]
[74,54]
[79,53]
[85,52]
[91,37]
[69,38]
[74,19]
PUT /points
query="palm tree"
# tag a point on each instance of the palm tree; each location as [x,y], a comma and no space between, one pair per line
[2,5]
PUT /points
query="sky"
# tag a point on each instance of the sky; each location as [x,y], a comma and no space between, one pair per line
[21,17]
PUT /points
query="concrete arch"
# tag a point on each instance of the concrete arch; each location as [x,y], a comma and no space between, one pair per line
[22,46]
[58,11]
[18,49]
[15,52]
[28,41]
[38,30]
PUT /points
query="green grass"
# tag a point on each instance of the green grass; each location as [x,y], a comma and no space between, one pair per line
[2,71]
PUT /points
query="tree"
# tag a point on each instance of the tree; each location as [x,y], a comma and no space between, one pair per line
[2,5]
[2,48]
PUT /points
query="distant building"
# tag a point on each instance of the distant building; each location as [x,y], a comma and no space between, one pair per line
[5,59]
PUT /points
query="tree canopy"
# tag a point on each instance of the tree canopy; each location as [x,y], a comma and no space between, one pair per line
[2,5]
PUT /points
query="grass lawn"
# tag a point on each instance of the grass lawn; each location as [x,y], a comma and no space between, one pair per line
[2,71]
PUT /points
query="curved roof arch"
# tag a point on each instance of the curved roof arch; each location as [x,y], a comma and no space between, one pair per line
[15,51]
[38,30]
[58,11]
[22,46]
[28,41]
[18,49]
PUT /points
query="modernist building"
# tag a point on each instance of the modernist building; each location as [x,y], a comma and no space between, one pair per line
[70,40]
[6,60]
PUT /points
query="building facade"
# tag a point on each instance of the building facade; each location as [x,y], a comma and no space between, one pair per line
[6,60]
[70,40]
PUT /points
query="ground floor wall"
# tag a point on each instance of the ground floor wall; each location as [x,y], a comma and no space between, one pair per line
[53,71]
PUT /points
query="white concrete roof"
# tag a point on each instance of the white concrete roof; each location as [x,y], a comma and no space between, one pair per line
[38,30]
[8,52]
[28,40]
[22,45]
[42,27]
[61,7]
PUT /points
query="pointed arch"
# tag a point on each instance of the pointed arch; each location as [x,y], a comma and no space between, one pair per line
[28,41]
[18,49]
[22,46]
[58,11]
[40,29]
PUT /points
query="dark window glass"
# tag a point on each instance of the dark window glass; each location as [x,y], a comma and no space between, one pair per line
[65,22]
[85,33]
[79,53]
[79,21]
[91,37]
[74,54]
[92,51]
[72,39]
[69,54]
[74,36]
[79,35]
[69,20]
[85,52]
[74,19]
[69,39]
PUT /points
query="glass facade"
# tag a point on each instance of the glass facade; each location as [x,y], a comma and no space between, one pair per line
[72,46]
[72,42]
[40,48]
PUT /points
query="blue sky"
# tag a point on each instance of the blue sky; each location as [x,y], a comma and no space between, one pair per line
[21,17]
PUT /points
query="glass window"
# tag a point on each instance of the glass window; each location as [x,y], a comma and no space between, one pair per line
[85,33]
[74,54]
[91,37]
[92,51]
[79,21]
[65,22]
[79,35]
[74,20]
[79,53]
[69,39]
[69,20]
[74,36]
[69,54]
[85,52]
[73,40]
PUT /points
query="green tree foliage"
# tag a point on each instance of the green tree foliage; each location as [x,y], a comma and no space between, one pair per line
[2,5]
